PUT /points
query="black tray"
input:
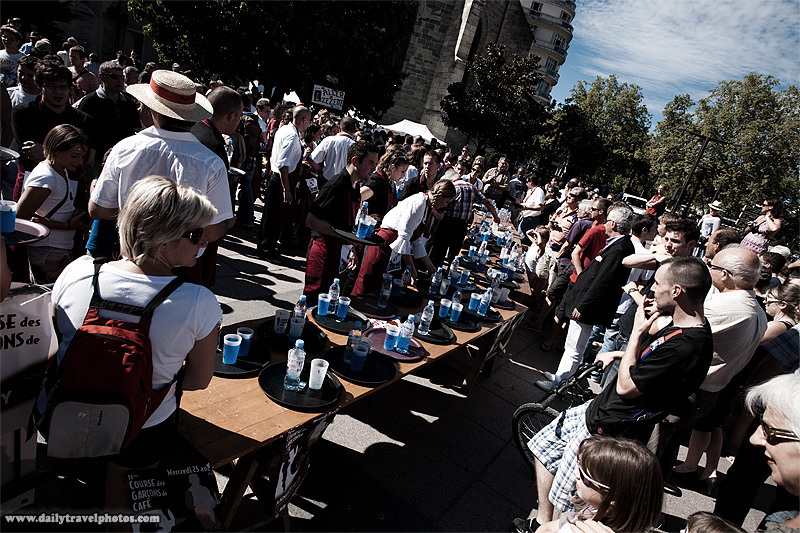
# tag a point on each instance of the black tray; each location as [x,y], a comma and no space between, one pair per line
[368,305]
[508,305]
[308,401]
[416,351]
[464,323]
[476,266]
[314,338]
[349,236]
[329,321]
[423,287]
[244,367]
[377,370]
[492,314]
[505,284]
[439,332]
[26,232]
[411,298]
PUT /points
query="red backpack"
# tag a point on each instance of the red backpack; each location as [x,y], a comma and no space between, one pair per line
[101,393]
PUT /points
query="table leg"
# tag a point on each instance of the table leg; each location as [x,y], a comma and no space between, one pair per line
[243,472]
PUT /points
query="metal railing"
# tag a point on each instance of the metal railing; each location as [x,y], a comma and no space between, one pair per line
[550,19]
[559,50]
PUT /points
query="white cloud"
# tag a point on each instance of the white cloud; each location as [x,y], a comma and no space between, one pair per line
[671,47]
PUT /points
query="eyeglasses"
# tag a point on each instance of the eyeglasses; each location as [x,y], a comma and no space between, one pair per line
[195,236]
[715,267]
[477,169]
[588,480]
[114,76]
[773,435]
[596,209]
[54,87]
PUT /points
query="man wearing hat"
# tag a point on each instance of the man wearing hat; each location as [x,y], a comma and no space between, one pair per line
[168,148]
[710,221]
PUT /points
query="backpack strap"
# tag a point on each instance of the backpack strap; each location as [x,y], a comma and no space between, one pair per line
[145,312]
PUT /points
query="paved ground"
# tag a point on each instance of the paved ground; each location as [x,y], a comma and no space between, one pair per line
[416,456]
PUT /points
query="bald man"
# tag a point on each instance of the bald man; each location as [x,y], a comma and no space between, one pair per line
[286,154]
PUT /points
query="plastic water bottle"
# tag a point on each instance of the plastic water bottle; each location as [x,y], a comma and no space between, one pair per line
[406,279]
[386,291]
[362,212]
[482,248]
[454,270]
[495,281]
[426,319]
[436,280]
[229,149]
[456,298]
[300,307]
[352,341]
[333,292]
[294,366]
[406,332]
[483,307]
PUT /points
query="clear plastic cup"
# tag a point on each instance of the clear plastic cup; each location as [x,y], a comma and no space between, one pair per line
[392,334]
[359,356]
[341,309]
[247,336]
[281,321]
[323,303]
[455,312]
[319,367]
[230,348]
[444,307]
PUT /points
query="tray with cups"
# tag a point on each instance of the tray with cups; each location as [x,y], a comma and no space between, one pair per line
[319,391]
[276,335]
[242,355]
[365,366]
[416,351]
[342,321]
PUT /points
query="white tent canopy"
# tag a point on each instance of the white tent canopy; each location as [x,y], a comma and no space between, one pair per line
[411,128]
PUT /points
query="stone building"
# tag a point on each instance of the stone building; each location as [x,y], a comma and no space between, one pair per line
[446,36]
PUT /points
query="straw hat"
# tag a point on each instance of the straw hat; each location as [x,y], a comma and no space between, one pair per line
[173,95]
[716,205]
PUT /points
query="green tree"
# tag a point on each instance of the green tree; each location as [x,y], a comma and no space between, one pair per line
[600,133]
[356,47]
[498,106]
[759,127]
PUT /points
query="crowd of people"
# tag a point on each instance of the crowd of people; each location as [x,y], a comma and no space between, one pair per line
[144,171]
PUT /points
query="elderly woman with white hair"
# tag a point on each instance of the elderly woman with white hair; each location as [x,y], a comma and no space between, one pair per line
[776,404]
[161,227]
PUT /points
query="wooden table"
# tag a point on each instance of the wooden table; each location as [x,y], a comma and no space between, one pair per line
[232,420]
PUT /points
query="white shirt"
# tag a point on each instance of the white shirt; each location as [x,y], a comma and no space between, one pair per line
[19,97]
[189,314]
[737,325]
[286,149]
[45,177]
[333,151]
[532,197]
[156,152]
[405,218]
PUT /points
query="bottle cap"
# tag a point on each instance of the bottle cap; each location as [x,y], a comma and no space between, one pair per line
[299,343]
[430,302]
[303,298]
[336,280]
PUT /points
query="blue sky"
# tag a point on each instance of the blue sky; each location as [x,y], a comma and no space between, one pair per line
[670,47]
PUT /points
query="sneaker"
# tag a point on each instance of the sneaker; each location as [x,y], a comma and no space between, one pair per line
[546,385]
[549,376]
[522,525]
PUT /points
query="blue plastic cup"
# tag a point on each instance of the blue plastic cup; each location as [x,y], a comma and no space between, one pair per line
[323,303]
[392,334]
[359,356]
[363,229]
[341,309]
[247,337]
[8,216]
[464,277]
[474,300]
[444,307]
[230,348]
[455,312]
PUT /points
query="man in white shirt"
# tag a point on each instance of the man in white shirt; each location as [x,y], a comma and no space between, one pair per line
[27,90]
[332,151]
[286,154]
[169,149]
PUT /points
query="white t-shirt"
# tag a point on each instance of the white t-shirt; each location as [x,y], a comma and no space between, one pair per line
[156,152]
[45,177]
[531,198]
[8,67]
[333,151]
[19,97]
[286,149]
[189,314]
[405,218]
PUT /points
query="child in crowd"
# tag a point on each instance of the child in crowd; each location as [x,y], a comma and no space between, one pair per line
[703,522]
[539,237]
[48,198]
[619,485]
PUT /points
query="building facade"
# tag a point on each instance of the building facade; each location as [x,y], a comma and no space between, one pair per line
[448,34]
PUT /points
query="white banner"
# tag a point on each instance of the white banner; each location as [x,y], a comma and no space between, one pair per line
[327,97]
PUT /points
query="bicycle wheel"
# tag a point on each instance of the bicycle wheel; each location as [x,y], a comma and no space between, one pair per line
[528,419]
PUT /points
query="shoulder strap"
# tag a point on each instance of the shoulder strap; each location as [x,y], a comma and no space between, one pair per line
[58,206]
[145,312]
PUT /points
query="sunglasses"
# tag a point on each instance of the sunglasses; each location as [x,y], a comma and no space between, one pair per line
[775,436]
[194,236]
[588,481]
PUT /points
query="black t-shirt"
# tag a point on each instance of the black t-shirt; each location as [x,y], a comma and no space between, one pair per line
[379,201]
[113,120]
[335,202]
[32,122]
[673,363]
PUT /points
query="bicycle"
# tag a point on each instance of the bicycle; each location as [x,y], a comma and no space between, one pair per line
[530,418]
